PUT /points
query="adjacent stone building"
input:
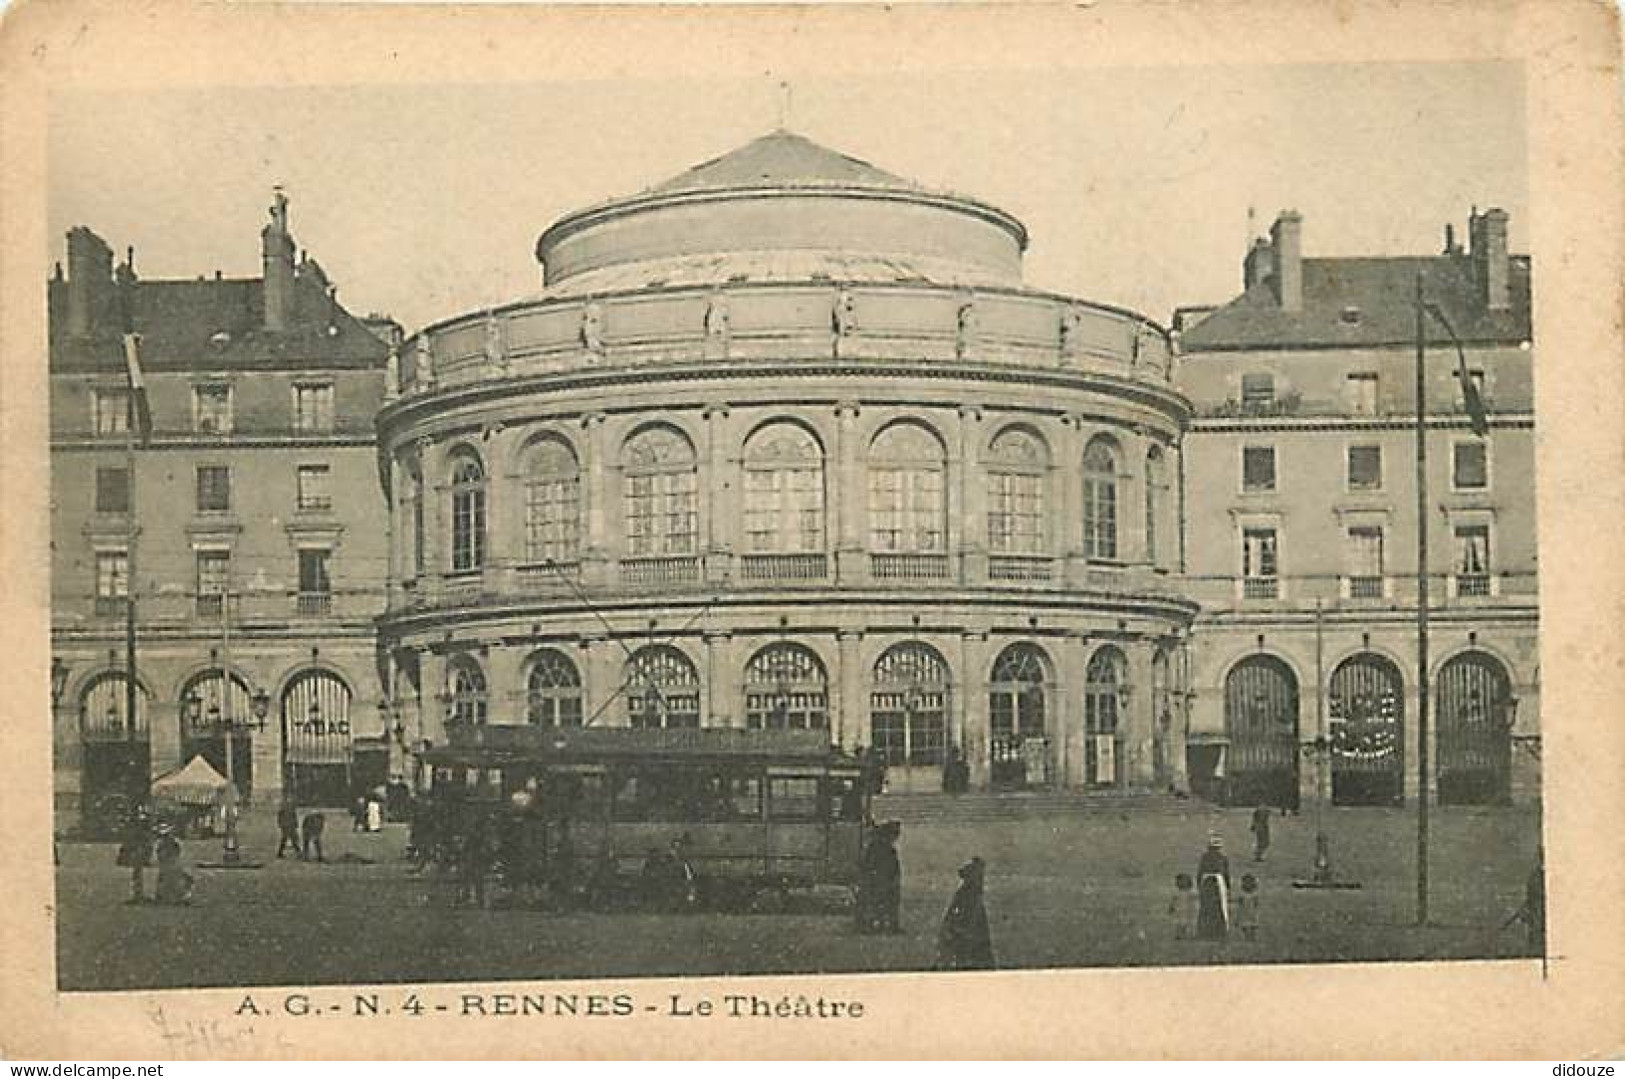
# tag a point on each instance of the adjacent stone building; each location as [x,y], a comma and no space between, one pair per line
[252,521]
[1301,480]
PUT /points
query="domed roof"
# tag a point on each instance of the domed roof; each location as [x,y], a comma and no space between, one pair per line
[781,159]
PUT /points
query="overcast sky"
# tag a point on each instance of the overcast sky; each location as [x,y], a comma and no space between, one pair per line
[1135,184]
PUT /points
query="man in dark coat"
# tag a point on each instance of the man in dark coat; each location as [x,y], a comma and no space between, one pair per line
[964,942]
[315,825]
[135,851]
[287,823]
[1213,892]
[1260,828]
[880,891]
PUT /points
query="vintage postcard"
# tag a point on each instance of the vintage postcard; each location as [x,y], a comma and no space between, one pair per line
[992,531]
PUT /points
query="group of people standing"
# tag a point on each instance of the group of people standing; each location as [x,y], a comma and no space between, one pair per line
[146,841]
[303,837]
[964,941]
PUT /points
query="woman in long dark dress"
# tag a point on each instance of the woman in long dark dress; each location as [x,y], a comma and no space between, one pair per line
[1213,892]
[964,942]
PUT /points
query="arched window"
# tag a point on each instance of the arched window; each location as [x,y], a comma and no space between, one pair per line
[103,706]
[1017,476]
[786,689]
[1155,487]
[662,688]
[469,699]
[552,502]
[1018,749]
[415,478]
[784,490]
[1103,682]
[908,509]
[1100,499]
[662,501]
[908,711]
[552,690]
[467,513]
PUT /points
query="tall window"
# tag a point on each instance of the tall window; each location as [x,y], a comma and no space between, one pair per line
[467,513]
[213,574]
[1017,475]
[1257,390]
[1361,391]
[112,490]
[111,411]
[1102,680]
[784,490]
[314,491]
[552,503]
[469,700]
[662,494]
[1472,557]
[313,575]
[1365,562]
[1100,499]
[313,407]
[112,580]
[1257,469]
[1470,465]
[1365,468]
[213,488]
[908,710]
[415,481]
[1156,489]
[786,689]
[552,690]
[1259,570]
[1016,717]
[908,509]
[211,409]
[662,688]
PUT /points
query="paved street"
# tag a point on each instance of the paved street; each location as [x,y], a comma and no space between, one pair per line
[1079,888]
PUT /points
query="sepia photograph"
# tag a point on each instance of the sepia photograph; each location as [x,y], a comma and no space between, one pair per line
[760,520]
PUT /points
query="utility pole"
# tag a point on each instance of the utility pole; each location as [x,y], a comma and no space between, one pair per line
[1422,762]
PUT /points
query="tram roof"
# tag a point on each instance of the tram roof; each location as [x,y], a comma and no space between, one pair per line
[578,743]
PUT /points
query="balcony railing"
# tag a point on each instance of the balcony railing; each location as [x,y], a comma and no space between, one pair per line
[109,606]
[313,603]
[678,569]
[210,604]
[783,567]
[1260,588]
[1365,587]
[908,567]
[1011,567]
[1472,584]
[548,576]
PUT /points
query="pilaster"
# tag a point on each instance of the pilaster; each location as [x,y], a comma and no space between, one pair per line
[594,557]
[718,482]
[969,516]
[719,683]
[1139,763]
[851,562]
[971,733]
[852,723]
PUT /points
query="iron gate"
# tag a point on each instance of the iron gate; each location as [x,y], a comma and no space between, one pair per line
[1367,732]
[1475,731]
[1261,719]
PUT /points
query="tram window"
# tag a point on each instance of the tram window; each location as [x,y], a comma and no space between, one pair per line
[471,777]
[793,799]
[845,799]
[744,797]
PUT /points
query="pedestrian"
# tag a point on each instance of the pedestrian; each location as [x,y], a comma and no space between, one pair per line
[1533,912]
[287,824]
[315,824]
[375,815]
[1182,907]
[358,813]
[1247,907]
[1213,892]
[880,888]
[1261,832]
[963,942]
[135,851]
[174,882]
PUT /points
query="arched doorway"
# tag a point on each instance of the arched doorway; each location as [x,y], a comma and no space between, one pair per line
[662,688]
[786,688]
[1261,721]
[1475,731]
[116,762]
[210,703]
[317,745]
[1017,703]
[1367,713]
[552,690]
[908,715]
[1103,683]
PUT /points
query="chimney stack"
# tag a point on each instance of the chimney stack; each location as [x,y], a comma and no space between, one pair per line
[90,280]
[1286,246]
[1491,262]
[1258,265]
[277,248]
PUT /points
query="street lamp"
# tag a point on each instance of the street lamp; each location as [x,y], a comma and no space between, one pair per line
[261,703]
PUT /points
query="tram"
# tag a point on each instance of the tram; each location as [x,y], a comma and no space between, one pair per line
[751,809]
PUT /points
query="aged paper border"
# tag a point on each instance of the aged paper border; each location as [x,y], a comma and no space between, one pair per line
[1473,1010]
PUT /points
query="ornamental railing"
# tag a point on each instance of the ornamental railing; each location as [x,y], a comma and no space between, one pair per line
[908,567]
[784,567]
[1020,568]
[678,569]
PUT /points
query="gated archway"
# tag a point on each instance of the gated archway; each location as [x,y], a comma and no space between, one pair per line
[1475,730]
[1367,713]
[210,703]
[1261,721]
[1018,700]
[117,756]
[317,740]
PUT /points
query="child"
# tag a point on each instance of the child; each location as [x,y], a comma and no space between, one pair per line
[1247,907]
[1182,907]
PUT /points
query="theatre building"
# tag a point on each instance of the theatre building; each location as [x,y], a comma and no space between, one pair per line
[786,442]
[249,526]
[1301,476]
